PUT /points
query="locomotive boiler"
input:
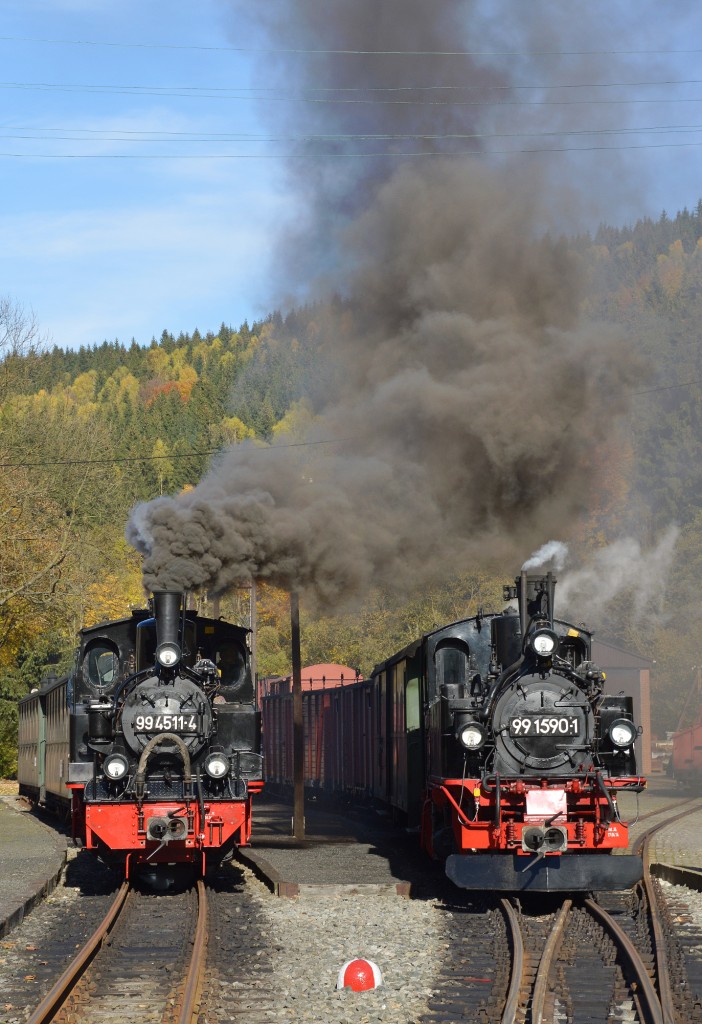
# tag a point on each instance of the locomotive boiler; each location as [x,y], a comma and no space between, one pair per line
[163,739]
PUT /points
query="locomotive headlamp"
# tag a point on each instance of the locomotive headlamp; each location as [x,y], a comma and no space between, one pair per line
[472,735]
[115,767]
[168,655]
[544,642]
[217,765]
[622,733]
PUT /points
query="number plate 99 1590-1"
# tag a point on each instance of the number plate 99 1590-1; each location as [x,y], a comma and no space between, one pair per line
[544,725]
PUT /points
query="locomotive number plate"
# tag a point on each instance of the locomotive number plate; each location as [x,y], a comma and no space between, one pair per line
[544,725]
[165,723]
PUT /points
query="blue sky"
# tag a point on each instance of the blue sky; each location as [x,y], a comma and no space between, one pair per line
[100,244]
[111,246]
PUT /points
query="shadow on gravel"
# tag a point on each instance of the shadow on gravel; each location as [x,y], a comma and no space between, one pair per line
[229,877]
[337,825]
[90,876]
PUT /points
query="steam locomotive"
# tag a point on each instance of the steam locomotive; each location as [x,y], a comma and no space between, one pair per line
[494,737]
[154,737]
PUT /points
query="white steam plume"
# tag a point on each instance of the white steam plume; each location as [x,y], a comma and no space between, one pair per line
[619,568]
[553,555]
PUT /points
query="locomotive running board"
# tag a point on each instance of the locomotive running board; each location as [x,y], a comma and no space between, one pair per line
[574,872]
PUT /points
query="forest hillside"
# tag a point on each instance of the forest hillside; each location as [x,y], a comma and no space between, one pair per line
[86,434]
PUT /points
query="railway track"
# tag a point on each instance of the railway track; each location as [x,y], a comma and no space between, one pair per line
[518,961]
[238,983]
[614,956]
[579,962]
[175,959]
[591,968]
[670,974]
[643,938]
[145,960]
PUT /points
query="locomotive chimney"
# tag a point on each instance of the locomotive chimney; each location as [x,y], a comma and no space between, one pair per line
[535,595]
[168,608]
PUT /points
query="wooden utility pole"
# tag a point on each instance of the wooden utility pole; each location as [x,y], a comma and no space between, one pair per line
[253,625]
[298,734]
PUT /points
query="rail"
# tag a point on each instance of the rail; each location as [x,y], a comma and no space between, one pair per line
[642,846]
[659,944]
[650,1005]
[196,967]
[54,1000]
[553,944]
[515,982]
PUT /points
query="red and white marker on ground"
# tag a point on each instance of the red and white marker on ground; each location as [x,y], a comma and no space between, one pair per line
[359,975]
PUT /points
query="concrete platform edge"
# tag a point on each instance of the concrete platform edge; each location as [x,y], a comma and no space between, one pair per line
[264,871]
[19,913]
[678,875]
[271,878]
[44,878]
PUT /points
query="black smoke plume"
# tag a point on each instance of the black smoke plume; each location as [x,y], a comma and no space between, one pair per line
[470,395]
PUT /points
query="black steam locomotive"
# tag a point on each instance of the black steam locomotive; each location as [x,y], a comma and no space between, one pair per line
[162,739]
[495,737]
[525,753]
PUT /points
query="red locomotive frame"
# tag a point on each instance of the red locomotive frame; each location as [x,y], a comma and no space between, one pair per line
[120,829]
[586,815]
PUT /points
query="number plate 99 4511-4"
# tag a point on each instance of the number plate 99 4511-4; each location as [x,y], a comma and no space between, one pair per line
[165,723]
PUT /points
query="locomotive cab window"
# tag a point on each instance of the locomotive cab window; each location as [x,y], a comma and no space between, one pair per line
[145,644]
[101,664]
[574,650]
[452,663]
[231,664]
[413,716]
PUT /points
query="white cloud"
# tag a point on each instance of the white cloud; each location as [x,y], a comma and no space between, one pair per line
[135,270]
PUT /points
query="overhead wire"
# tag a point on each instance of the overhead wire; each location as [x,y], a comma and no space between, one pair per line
[465,87]
[244,137]
[352,52]
[262,448]
[377,96]
[668,387]
[390,154]
[173,457]
[309,94]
